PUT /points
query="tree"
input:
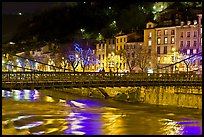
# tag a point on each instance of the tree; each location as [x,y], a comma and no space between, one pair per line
[141,58]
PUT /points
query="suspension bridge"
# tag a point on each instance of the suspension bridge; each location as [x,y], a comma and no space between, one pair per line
[33,78]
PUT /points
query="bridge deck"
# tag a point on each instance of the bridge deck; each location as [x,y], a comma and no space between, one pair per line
[68,79]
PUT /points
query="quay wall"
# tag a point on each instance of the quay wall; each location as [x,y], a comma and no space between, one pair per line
[184,96]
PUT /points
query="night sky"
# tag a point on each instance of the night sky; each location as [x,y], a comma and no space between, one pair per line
[11,19]
[27,7]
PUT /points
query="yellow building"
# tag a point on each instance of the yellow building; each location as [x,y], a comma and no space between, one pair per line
[121,41]
[105,52]
[150,43]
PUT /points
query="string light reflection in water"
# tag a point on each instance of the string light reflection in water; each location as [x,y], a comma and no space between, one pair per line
[47,112]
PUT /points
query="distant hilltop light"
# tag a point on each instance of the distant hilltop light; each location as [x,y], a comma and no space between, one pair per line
[19,13]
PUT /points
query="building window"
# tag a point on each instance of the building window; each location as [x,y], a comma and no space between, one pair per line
[188,51]
[159,33]
[191,51]
[172,32]
[188,44]
[201,41]
[194,43]
[120,47]
[164,59]
[165,49]
[117,40]
[99,57]
[150,34]
[166,32]
[149,51]
[150,43]
[158,59]
[150,26]
[158,41]
[128,55]
[113,41]
[194,33]
[121,39]
[117,47]
[181,43]
[165,40]
[172,40]
[103,56]
[194,51]
[188,34]
[181,34]
[201,62]
[158,50]
[124,39]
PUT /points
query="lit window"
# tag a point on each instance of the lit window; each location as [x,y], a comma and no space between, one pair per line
[158,59]
[165,32]
[201,31]
[172,40]
[164,59]
[150,43]
[194,51]
[165,40]
[158,41]
[150,34]
[188,51]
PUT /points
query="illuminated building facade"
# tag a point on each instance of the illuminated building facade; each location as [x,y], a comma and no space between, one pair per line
[170,44]
[105,52]
[131,51]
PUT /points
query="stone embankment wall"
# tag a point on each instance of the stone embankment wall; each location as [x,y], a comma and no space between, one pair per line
[184,96]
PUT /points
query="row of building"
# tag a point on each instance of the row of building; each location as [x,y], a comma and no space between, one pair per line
[161,45]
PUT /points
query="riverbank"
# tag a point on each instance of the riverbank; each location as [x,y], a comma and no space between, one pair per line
[187,97]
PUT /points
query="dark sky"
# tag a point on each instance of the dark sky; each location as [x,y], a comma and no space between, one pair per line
[28,7]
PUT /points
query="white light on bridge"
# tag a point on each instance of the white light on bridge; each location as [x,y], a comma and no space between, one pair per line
[20,13]
[12,43]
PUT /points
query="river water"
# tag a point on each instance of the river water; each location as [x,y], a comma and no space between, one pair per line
[58,113]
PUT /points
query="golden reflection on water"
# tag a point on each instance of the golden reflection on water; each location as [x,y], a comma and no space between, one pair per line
[25,116]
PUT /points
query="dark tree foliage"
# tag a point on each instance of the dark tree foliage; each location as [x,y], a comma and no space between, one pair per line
[63,23]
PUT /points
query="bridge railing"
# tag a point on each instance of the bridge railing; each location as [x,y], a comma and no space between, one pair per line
[96,76]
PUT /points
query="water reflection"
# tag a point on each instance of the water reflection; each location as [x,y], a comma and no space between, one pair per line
[35,112]
[82,121]
[17,95]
